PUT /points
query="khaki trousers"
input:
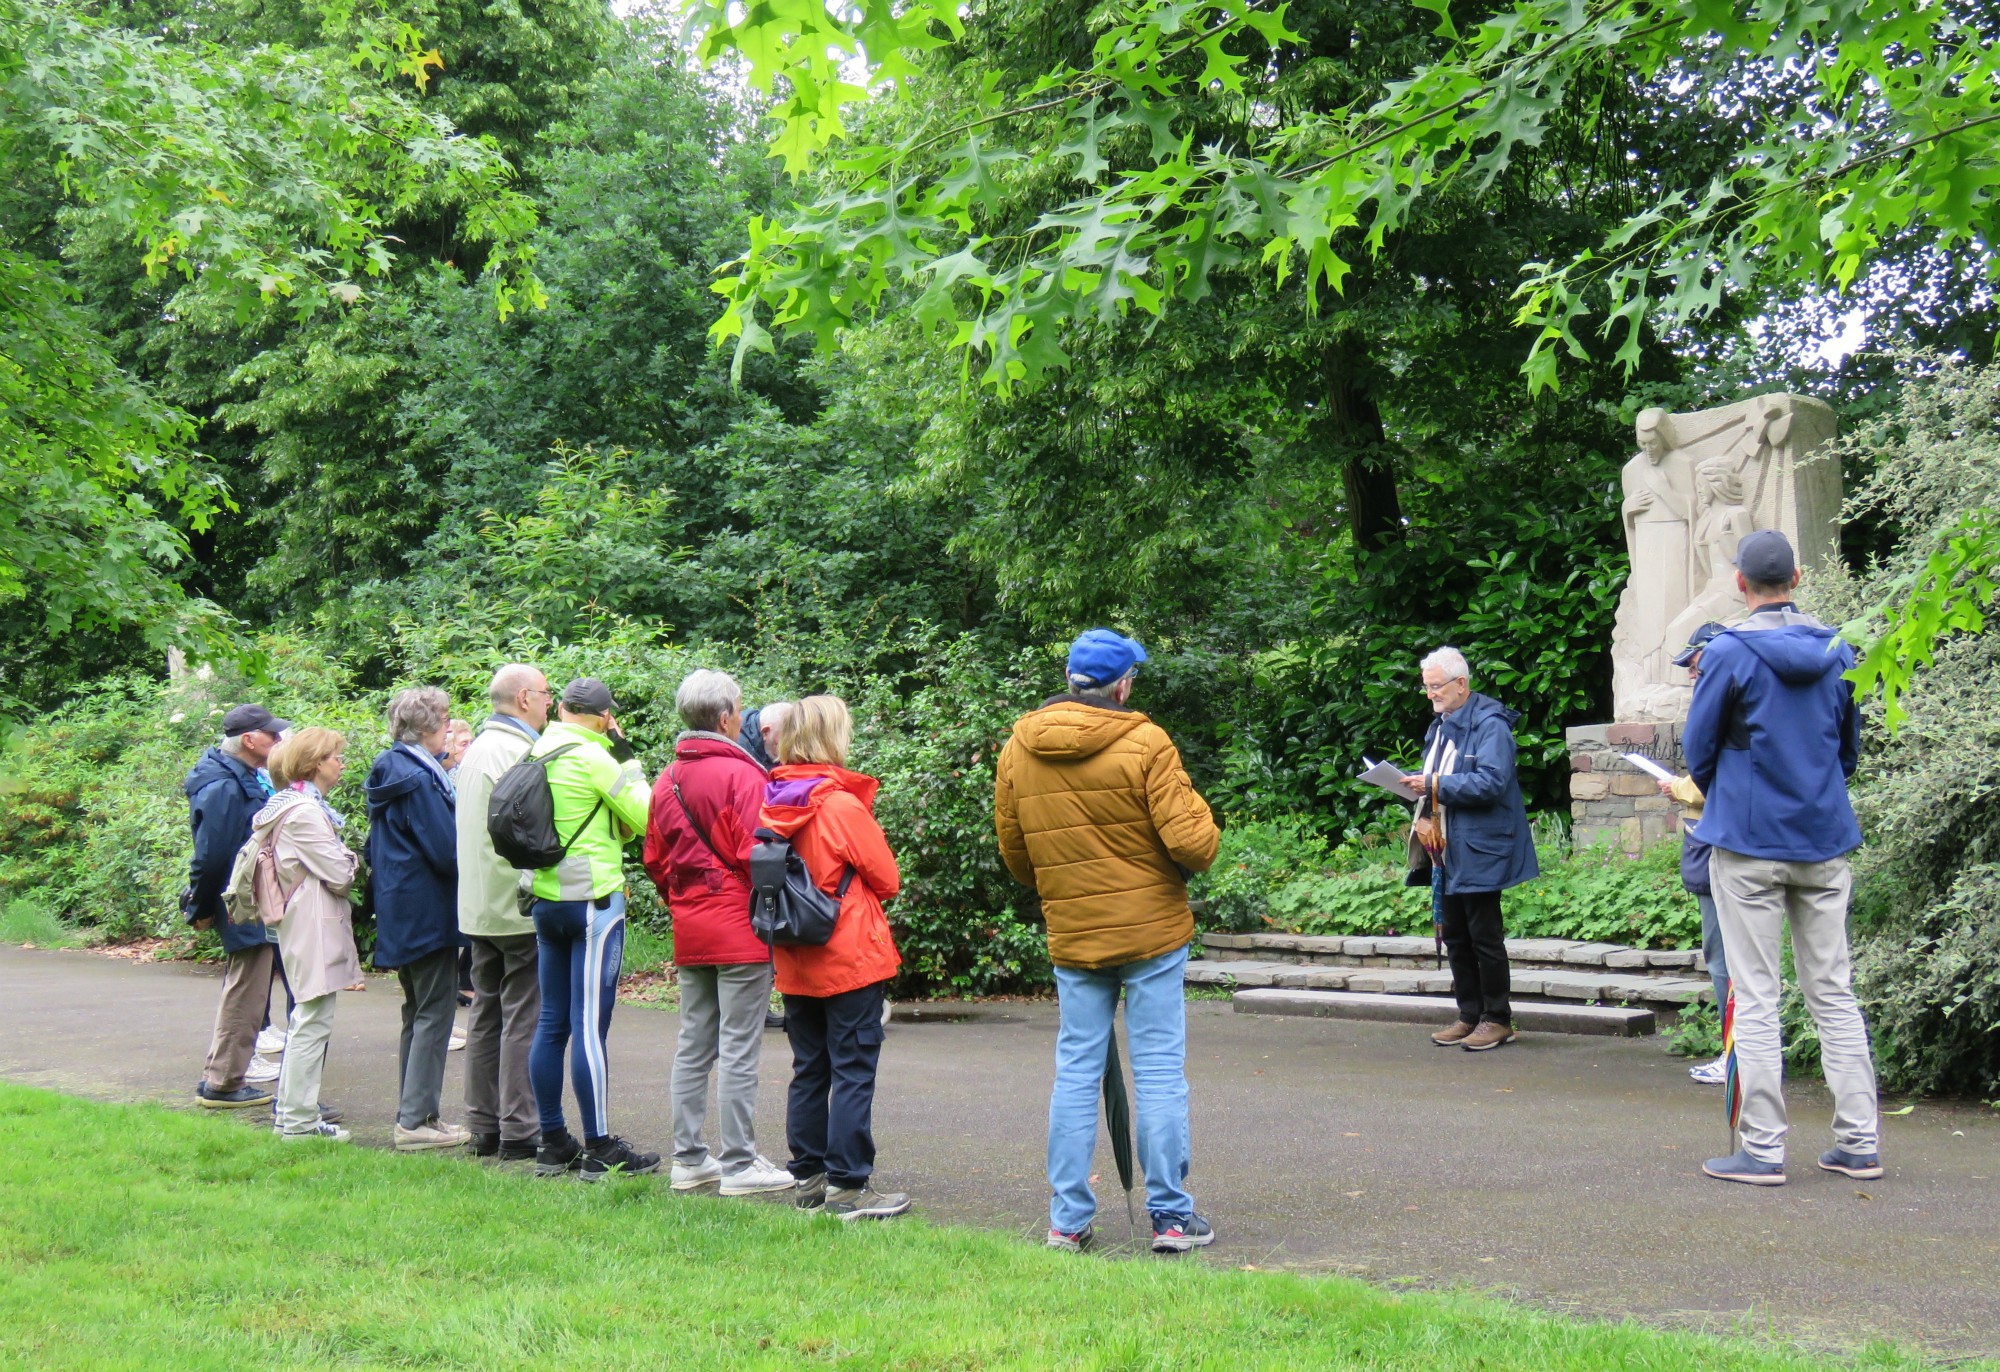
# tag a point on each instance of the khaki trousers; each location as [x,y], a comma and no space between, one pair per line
[304,1063]
[1755,900]
[246,999]
[499,1031]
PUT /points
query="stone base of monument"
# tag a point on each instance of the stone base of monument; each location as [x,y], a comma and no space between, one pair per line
[1612,803]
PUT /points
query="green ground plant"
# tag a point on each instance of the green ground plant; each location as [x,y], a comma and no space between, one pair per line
[342,1256]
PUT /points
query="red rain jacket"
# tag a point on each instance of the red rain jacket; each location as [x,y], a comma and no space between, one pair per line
[828,813]
[709,901]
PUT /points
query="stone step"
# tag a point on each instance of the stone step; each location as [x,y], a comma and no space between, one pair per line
[1408,951]
[1578,984]
[1613,1021]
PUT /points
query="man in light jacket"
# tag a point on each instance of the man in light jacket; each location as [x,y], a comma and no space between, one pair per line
[1095,811]
[1772,736]
[499,1097]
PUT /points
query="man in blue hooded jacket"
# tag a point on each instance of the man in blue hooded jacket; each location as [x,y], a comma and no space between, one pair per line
[1473,794]
[1772,736]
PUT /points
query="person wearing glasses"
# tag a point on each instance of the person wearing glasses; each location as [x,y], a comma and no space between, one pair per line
[507,998]
[1478,842]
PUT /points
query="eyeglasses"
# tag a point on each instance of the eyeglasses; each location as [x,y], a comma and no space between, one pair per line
[1438,690]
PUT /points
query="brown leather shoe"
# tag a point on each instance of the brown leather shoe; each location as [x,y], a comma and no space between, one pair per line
[1445,1038]
[1489,1035]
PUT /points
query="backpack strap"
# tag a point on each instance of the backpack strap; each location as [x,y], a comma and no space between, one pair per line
[545,759]
[695,824]
[772,836]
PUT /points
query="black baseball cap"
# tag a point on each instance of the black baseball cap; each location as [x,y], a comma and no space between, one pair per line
[248,718]
[1765,557]
[588,696]
[1696,642]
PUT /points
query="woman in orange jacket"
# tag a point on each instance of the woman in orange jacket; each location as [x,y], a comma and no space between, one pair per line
[833,993]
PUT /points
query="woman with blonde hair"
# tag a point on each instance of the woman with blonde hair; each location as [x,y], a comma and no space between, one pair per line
[833,992]
[316,934]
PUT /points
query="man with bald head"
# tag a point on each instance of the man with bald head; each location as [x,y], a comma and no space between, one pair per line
[499,1100]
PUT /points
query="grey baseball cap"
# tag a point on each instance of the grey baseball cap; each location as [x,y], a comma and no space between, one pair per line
[588,696]
[1765,557]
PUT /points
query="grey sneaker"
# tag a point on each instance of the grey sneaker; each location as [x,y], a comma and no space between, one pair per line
[864,1203]
[760,1176]
[684,1178]
[1740,1166]
[333,1133]
[1860,1166]
[810,1193]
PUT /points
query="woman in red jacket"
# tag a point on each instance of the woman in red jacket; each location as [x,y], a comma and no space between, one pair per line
[833,993]
[697,852]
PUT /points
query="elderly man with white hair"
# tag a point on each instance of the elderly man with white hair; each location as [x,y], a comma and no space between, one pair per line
[1474,829]
[499,1097]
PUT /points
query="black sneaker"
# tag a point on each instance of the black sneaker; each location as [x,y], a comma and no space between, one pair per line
[485,1145]
[559,1153]
[863,1203]
[616,1155]
[209,1098]
[1179,1233]
[518,1150]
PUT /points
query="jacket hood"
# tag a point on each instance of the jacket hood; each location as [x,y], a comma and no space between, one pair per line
[274,810]
[394,774]
[211,767]
[1067,728]
[796,792]
[1799,654]
[699,743]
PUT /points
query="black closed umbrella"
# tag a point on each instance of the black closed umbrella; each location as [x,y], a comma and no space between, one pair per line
[1118,1123]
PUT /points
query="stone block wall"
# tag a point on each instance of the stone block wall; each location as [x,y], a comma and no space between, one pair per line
[1611,801]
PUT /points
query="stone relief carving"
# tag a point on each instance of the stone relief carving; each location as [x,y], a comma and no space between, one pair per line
[1698,484]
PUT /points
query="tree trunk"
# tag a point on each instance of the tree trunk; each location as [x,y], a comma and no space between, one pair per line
[1354,431]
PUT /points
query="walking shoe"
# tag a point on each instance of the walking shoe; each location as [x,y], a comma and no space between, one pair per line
[685,1178]
[329,1114]
[1740,1166]
[760,1176]
[1860,1166]
[211,1099]
[1488,1035]
[1179,1233]
[1444,1038]
[432,1133]
[1071,1243]
[863,1203]
[485,1145]
[559,1153]
[260,1071]
[810,1193]
[614,1155]
[457,1041]
[271,1041]
[1711,1073]
[519,1150]
[322,1130]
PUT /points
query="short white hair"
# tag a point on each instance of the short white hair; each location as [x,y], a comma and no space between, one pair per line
[1449,661]
[509,682]
[705,697]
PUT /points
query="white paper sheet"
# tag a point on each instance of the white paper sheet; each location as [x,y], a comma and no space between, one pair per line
[1648,766]
[1389,777]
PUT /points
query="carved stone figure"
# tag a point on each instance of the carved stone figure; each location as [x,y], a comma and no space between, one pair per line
[1699,483]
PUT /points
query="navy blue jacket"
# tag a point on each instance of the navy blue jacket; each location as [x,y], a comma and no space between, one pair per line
[1694,863]
[1771,738]
[1487,844]
[223,795]
[412,859]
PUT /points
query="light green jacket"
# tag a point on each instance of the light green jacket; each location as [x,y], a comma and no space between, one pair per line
[487,904]
[578,780]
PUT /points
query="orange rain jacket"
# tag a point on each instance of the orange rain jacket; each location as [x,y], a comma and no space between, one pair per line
[1095,811]
[828,814]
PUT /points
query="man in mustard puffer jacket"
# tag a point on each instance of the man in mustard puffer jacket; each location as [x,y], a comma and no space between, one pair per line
[1095,811]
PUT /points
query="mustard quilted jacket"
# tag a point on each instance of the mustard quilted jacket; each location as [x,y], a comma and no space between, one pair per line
[1095,811]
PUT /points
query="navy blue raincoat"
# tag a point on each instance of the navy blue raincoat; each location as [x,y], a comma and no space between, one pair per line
[223,796]
[1488,846]
[412,858]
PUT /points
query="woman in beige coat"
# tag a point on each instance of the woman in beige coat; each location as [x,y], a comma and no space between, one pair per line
[316,936]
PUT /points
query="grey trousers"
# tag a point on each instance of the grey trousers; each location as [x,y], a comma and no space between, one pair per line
[722,1022]
[1755,899]
[246,1000]
[507,999]
[430,1001]
[304,1063]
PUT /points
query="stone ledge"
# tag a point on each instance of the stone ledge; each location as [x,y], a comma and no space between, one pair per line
[1600,1020]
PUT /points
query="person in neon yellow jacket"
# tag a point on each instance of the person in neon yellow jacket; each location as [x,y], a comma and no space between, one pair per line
[601,801]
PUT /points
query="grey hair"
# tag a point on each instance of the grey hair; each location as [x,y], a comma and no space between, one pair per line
[1450,661]
[232,744]
[509,682]
[418,711]
[1089,690]
[705,697]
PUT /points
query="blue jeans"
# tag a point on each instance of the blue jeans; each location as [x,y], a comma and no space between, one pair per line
[1156,1033]
[581,949]
[1711,951]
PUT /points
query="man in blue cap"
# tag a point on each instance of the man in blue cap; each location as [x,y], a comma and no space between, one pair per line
[1772,736]
[1095,811]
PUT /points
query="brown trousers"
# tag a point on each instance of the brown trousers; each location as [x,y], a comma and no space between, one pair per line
[507,1000]
[246,998]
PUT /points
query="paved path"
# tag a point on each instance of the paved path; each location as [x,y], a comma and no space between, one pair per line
[1559,1170]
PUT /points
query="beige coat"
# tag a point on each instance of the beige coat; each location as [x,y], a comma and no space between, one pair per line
[488,906]
[316,936]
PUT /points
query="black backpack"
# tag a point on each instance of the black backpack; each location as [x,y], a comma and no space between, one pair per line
[785,906]
[521,815]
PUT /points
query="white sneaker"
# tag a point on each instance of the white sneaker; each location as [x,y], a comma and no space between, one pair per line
[333,1133]
[760,1176]
[457,1041]
[271,1041]
[696,1178]
[1711,1073]
[260,1070]
[433,1133]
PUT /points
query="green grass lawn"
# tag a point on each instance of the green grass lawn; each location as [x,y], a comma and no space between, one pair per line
[138,1237]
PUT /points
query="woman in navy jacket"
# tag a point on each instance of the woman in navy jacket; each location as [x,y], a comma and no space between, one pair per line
[1469,785]
[413,874]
